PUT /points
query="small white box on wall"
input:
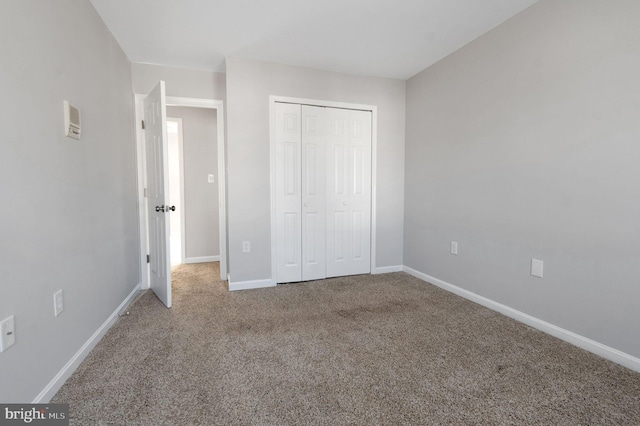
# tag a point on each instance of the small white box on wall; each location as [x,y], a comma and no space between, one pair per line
[72,126]
[537,268]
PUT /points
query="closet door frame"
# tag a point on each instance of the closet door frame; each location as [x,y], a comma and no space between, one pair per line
[315,102]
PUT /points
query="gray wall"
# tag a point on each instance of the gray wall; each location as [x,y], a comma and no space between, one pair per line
[179,81]
[200,158]
[69,219]
[249,84]
[525,143]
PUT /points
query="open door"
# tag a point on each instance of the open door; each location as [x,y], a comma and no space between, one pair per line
[156,145]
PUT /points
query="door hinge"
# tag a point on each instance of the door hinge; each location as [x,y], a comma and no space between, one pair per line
[148,259]
[142,124]
[145,193]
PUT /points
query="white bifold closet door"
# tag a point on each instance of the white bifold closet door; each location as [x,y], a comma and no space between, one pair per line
[348,233]
[323,192]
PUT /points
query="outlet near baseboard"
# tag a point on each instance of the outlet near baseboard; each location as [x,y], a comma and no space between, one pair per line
[537,268]
[7,333]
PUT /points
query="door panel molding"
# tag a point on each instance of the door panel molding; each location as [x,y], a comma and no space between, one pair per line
[288,188]
[313,193]
[349,171]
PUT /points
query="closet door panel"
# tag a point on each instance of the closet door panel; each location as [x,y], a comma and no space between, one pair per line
[313,193]
[338,211]
[360,191]
[288,189]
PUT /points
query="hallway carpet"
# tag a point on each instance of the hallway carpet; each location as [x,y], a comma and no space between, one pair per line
[366,350]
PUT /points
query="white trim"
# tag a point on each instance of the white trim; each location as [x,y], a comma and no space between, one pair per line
[56,383]
[585,343]
[181,209]
[272,189]
[202,259]
[193,102]
[374,160]
[222,176]
[250,285]
[374,186]
[322,103]
[387,269]
[222,194]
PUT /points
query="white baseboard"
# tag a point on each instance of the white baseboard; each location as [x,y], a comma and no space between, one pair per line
[585,343]
[202,259]
[56,383]
[387,269]
[249,285]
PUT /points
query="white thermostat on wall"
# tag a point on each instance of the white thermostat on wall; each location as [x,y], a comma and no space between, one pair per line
[71,120]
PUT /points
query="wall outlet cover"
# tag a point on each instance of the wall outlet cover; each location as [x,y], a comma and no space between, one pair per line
[537,268]
[454,247]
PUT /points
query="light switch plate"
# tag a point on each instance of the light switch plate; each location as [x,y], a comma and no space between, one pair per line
[537,268]
[246,246]
[72,126]
[58,303]
[454,247]
[8,333]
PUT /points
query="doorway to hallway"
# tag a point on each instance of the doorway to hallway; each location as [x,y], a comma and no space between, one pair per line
[217,178]
[193,184]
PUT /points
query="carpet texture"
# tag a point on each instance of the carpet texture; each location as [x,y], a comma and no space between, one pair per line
[371,350]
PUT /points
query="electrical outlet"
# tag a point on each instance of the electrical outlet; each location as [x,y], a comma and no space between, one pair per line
[454,247]
[8,333]
[58,303]
[246,246]
[537,268]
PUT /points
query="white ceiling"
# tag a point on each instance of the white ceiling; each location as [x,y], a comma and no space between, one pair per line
[384,38]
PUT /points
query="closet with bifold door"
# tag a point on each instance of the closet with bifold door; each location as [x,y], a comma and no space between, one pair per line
[322,192]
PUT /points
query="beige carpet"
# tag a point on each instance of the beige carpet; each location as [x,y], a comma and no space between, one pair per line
[371,350]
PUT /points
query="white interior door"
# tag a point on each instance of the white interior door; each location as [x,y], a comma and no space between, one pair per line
[348,192]
[288,193]
[313,192]
[157,167]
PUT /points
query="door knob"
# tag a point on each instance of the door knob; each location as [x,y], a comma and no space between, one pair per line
[346,203]
[159,208]
[172,208]
[306,204]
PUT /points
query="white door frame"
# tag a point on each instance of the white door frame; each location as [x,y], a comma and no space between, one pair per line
[374,161]
[218,105]
[183,248]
